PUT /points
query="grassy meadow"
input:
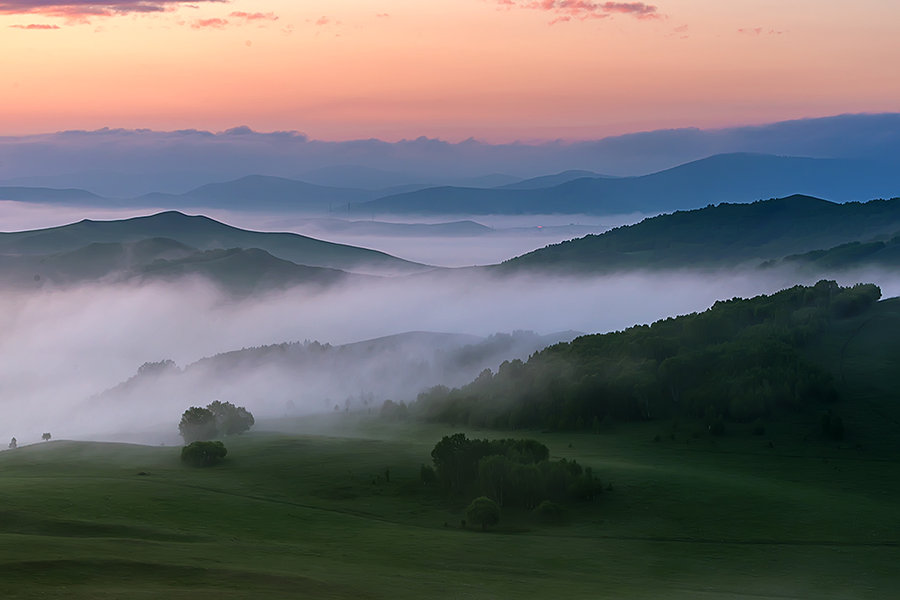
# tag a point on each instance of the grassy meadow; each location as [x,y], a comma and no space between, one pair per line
[300,515]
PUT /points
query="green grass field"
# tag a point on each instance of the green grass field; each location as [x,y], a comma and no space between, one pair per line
[311,516]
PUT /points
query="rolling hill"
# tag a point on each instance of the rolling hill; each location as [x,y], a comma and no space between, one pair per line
[204,233]
[236,271]
[726,235]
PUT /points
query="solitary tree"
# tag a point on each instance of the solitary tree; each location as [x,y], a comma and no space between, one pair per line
[483,510]
[197,424]
[46,437]
[13,444]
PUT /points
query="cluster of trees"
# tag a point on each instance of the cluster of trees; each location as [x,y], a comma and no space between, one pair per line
[217,419]
[510,472]
[741,360]
[203,454]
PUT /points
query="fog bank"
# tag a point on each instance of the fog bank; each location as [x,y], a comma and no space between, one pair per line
[61,348]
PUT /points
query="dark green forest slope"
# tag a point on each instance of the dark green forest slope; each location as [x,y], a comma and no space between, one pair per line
[739,361]
[720,236]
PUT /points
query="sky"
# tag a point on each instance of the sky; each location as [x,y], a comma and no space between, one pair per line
[494,70]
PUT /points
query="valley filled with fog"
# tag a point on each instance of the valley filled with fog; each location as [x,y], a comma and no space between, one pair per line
[114,325]
[65,347]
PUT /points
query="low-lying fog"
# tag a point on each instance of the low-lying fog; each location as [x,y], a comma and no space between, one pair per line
[63,348]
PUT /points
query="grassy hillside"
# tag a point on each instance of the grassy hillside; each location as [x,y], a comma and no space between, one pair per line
[720,236]
[310,516]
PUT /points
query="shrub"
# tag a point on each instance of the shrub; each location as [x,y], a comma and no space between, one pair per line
[550,512]
[203,454]
[483,510]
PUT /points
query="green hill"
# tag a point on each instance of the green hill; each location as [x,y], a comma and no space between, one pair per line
[726,235]
[204,233]
[853,255]
[738,362]
[236,271]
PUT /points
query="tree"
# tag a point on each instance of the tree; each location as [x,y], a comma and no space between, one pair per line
[230,419]
[494,473]
[13,444]
[483,510]
[203,454]
[197,424]
[46,437]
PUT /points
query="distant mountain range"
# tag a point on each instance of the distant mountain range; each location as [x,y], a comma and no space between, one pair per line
[721,178]
[129,163]
[726,235]
[799,231]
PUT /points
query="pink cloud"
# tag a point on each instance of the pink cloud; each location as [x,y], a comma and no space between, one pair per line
[209,23]
[257,16]
[323,21]
[35,26]
[83,9]
[567,10]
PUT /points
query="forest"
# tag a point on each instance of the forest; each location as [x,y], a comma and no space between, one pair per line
[739,361]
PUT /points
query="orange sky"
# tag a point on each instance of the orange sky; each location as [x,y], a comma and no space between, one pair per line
[496,70]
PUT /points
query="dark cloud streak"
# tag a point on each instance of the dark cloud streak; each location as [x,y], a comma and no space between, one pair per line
[82,9]
[567,10]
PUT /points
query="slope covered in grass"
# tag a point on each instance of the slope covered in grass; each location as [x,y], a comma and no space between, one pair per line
[310,516]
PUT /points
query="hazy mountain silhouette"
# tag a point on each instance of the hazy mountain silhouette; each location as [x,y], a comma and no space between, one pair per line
[51,195]
[204,233]
[357,375]
[180,160]
[381,228]
[546,181]
[720,178]
[260,192]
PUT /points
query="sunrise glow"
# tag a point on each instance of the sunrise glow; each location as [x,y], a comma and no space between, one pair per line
[496,70]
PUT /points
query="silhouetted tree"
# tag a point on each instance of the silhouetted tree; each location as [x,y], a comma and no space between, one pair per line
[46,437]
[13,444]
